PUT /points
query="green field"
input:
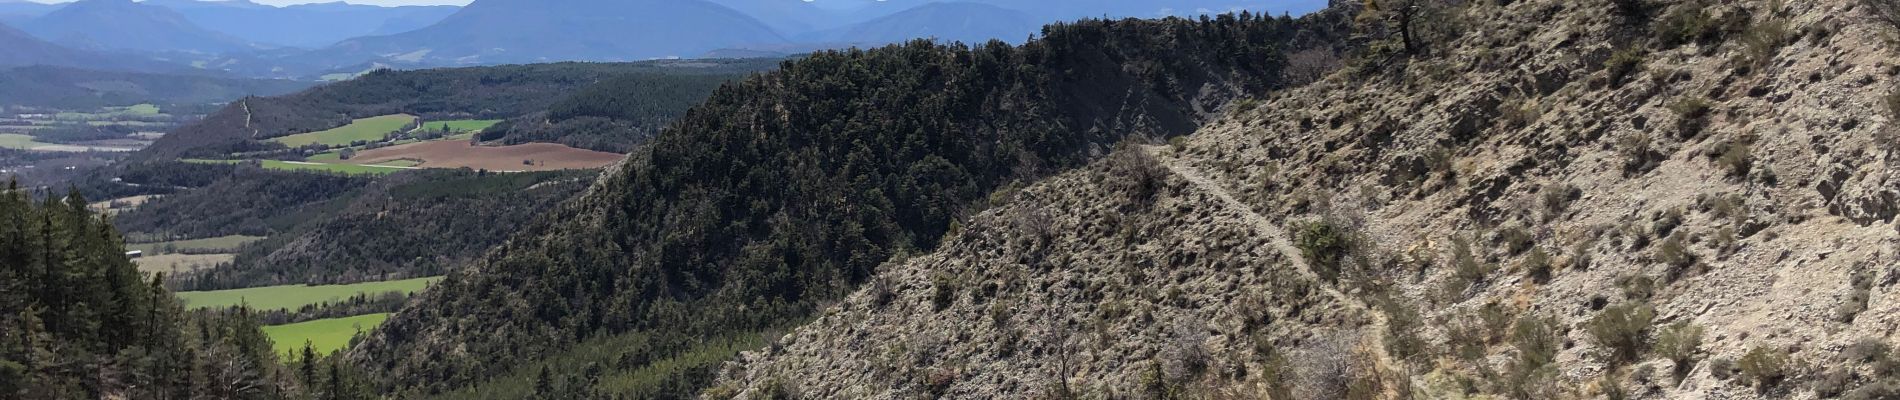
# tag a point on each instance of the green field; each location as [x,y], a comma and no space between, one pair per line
[327,156]
[324,335]
[465,125]
[18,141]
[405,163]
[132,124]
[292,296]
[141,110]
[222,244]
[372,128]
[315,167]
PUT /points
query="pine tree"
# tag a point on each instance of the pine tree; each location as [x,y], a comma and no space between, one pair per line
[78,320]
[307,371]
[337,388]
[543,385]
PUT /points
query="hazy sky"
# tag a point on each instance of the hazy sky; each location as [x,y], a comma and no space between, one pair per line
[376,2]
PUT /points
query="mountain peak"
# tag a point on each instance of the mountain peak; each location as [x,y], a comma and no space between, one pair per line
[591,30]
[126,25]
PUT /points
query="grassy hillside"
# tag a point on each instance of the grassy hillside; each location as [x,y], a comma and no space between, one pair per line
[788,189]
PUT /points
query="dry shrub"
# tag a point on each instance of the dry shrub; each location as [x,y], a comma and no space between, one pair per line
[1137,174]
[1622,330]
[1678,343]
[1310,65]
[1765,367]
[1337,366]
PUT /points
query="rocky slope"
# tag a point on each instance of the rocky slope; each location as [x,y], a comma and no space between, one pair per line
[1098,281]
[786,190]
[1538,203]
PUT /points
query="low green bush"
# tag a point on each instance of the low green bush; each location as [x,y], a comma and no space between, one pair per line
[1692,115]
[1327,246]
[1623,63]
[1537,266]
[1764,367]
[1678,343]
[946,290]
[1689,22]
[1674,252]
[1622,330]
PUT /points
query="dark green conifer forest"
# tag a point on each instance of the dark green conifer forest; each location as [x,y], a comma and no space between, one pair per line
[79,321]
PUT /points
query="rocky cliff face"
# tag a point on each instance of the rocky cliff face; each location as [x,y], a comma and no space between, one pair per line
[1545,203]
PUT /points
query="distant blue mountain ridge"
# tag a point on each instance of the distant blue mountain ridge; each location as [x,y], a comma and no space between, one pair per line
[305,41]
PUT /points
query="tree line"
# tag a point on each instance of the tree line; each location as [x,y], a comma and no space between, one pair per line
[613,115]
[79,321]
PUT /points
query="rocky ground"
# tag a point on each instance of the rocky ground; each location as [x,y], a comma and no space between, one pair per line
[1464,224]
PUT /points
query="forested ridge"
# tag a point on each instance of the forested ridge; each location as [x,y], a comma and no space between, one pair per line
[78,321]
[613,115]
[452,93]
[786,190]
[237,200]
[409,225]
[338,229]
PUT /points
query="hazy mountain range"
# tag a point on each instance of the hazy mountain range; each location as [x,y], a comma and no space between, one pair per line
[956,21]
[306,41]
[519,31]
[305,25]
[18,48]
[123,25]
[13,11]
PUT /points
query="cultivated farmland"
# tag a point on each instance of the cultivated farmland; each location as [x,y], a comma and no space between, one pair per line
[351,169]
[216,244]
[122,204]
[290,297]
[325,335]
[171,264]
[366,129]
[458,154]
[26,142]
[464,125]
[18,142]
